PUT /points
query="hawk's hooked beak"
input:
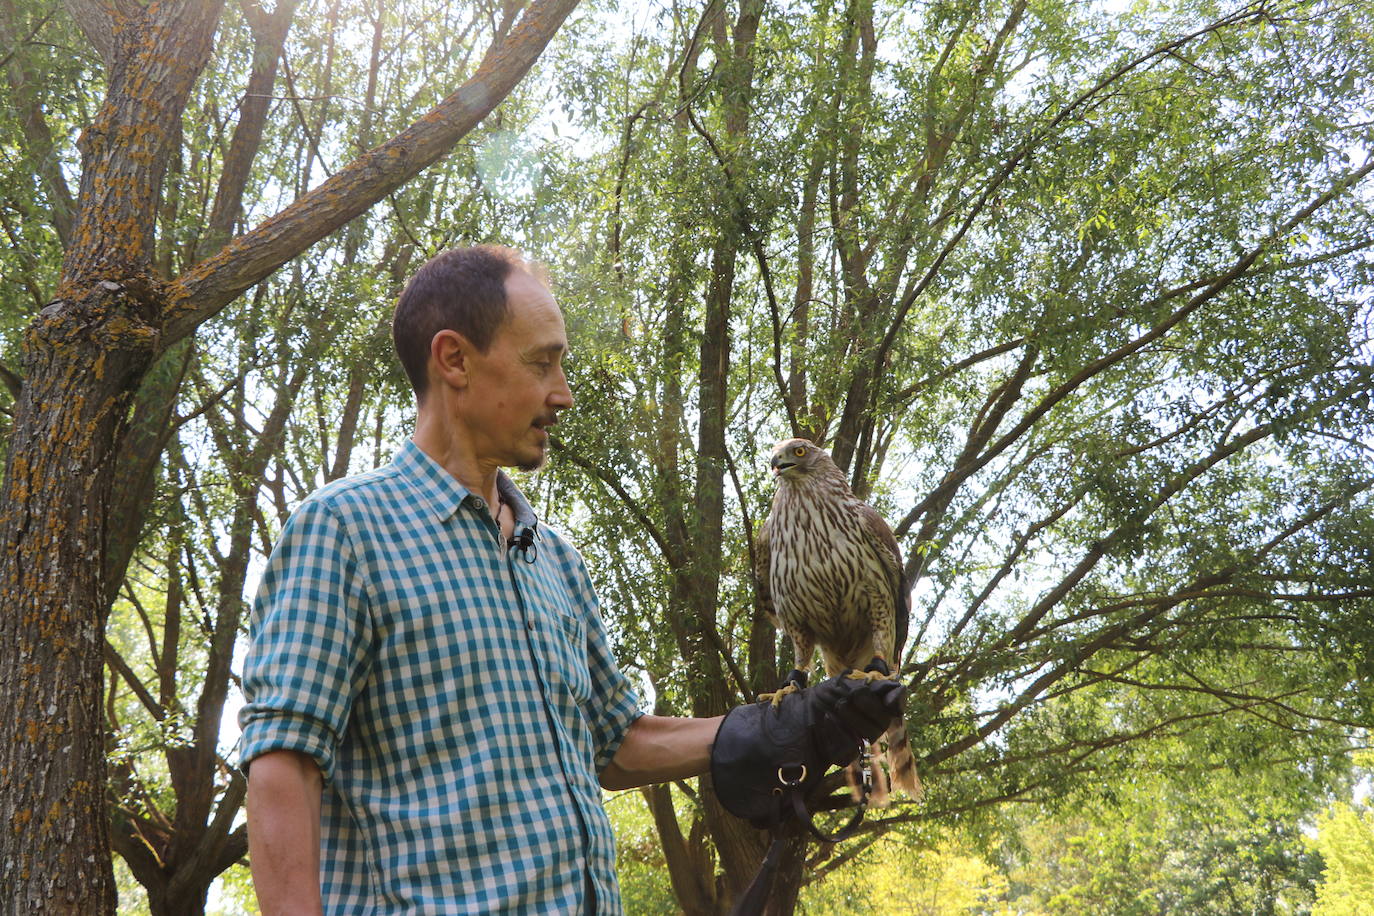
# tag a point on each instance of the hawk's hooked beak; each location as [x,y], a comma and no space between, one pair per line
[780,464]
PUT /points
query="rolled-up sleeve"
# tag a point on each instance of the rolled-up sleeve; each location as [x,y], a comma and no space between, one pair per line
[614,702]
[308,649]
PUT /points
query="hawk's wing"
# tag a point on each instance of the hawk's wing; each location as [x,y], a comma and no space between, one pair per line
[762,586]
[882,542]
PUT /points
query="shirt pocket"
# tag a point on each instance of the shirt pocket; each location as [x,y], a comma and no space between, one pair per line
[570,655]
[561,634]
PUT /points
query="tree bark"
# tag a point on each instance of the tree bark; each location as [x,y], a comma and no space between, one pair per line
[150,426]
[79,371]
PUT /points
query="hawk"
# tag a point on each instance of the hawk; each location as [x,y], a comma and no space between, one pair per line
[830,575]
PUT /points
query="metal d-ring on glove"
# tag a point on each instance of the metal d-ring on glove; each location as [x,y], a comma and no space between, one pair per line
[766,758]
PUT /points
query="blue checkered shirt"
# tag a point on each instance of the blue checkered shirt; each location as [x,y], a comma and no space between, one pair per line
[459,696]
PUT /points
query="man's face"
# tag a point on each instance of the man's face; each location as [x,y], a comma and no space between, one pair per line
[517,387]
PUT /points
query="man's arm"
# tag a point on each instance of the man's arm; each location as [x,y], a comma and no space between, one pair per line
[284,833]
[660,749]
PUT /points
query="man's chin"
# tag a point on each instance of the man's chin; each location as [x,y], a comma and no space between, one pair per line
[533,463]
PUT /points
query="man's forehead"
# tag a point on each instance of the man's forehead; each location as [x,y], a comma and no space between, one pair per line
[524,286]
[532,312]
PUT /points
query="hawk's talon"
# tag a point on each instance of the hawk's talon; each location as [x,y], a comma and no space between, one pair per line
[877,670]
[869,676]
[776,696]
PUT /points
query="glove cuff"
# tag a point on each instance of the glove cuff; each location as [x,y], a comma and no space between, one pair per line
[760,750]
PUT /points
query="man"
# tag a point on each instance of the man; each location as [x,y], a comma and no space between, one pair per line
[432,707]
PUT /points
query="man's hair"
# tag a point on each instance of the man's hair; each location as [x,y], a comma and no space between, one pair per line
[463,290]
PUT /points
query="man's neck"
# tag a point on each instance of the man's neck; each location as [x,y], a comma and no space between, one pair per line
[452,450]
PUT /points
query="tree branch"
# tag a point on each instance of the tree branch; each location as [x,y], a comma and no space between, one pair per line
[1238,269]
[269,35]
[99,21]
[628,501]
[40,149]
[116,661]
[205,289]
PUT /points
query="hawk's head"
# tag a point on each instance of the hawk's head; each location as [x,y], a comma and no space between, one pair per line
[796,458]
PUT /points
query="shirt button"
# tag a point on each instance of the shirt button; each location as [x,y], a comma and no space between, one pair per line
[479,503]
[530,624]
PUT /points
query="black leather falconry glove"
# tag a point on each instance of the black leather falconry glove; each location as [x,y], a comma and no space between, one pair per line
[762,750]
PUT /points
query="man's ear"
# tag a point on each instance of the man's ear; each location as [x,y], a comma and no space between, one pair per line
[450,358]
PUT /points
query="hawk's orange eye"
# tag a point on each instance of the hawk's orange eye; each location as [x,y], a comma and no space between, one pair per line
[799,451]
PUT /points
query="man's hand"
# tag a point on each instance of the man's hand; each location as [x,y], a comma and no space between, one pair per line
[284,833]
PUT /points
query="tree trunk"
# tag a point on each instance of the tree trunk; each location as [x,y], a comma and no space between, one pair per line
[84,356]
[81,364]
[741,847]
[691,868]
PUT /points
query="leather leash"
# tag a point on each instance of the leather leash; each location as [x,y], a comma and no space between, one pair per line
[755,896]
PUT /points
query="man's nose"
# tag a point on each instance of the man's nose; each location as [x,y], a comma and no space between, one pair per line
[561,397]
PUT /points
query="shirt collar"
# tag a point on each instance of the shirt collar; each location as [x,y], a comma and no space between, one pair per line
[442,492]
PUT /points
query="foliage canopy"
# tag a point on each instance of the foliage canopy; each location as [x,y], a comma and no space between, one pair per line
[1078,294]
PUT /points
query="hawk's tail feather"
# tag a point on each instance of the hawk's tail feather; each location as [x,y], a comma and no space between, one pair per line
[901,763]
